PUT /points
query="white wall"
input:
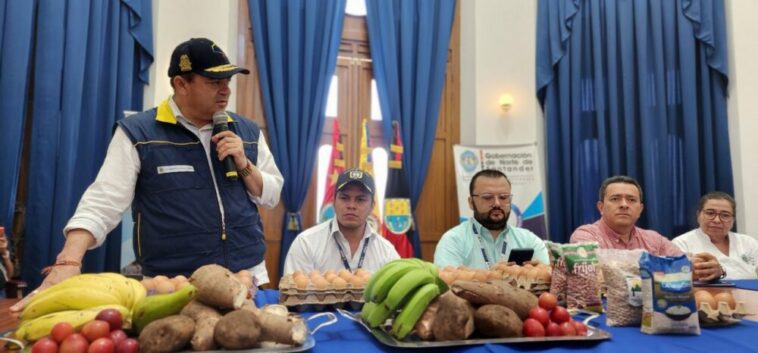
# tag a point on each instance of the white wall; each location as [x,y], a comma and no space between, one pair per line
[497,57]
[498,54]
[742,110]
[175,21]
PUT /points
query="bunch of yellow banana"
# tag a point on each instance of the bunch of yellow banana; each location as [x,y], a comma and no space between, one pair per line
[34,329]
[85,291]
[408,285]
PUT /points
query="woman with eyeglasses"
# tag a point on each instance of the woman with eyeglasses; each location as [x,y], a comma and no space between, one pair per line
[737,253]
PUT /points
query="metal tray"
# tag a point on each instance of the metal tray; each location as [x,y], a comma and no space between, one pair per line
[593,334]
[309,343]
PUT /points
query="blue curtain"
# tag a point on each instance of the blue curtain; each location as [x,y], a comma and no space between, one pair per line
[16,30]
[635,88]
[409,43]
[296,43]
[91,60]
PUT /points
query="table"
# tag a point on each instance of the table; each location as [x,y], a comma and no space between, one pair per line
[347,336]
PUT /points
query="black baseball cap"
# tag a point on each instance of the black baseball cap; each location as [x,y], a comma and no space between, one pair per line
[203,57]
[355,175]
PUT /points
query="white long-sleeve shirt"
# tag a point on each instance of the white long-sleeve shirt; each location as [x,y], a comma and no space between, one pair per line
[110,195]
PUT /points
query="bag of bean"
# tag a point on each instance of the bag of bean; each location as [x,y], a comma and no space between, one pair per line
[583,285]
[668,305]
[559,276]
[623,286]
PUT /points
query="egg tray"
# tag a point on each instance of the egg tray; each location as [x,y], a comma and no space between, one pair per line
[315,299]
[536,287]
[724,315]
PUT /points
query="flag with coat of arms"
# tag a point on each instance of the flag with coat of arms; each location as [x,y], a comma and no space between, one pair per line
[366,164]
[398,218]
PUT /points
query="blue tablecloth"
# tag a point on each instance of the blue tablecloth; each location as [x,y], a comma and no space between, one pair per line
[347,336]
[749,284]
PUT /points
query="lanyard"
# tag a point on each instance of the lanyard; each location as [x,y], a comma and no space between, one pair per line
[484,252]
[342,252]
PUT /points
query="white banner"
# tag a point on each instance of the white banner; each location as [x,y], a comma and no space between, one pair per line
[521,165]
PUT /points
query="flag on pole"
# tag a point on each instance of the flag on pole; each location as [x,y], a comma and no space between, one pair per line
[336,167]
[366,163]
[398,218]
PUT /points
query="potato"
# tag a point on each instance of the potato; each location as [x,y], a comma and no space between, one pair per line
[169,334]
[239,329]
[218,287]
[497,321]
[424,324]
[496,292]
[455,318]
[206,319]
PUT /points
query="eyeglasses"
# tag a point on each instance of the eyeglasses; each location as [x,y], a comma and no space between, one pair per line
[724,216]
[490,198]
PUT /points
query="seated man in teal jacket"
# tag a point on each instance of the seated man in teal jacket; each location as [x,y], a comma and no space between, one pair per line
[487,238]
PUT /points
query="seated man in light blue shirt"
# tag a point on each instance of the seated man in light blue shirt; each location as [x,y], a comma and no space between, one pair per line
[485,239]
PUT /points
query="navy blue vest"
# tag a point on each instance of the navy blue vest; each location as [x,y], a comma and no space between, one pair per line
[177,220]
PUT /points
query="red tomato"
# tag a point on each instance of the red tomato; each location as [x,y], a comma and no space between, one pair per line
[45,345]
[533,328]
[553,329]
[112,317]
[581,329]
[540,315]
[96,329]
[74,343]
[547,301]
[102,345]
[60,331]
[560,315]
[129,345]
[568,329]
[117,336]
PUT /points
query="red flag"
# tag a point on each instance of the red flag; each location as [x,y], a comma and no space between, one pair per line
[336,167]
[398,218]
[366,163]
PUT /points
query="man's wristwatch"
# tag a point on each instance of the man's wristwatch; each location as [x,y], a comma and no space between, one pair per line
[723,272]
[247,170]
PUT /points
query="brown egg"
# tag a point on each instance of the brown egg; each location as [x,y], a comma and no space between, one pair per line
[480,275]
[357,282]
[726,297]
[493,275]
[314,273]
[703,296]
[365,275]
[543,275]
[330,276]
[160,278]
[330,272]
[301,282]
[319,282]
[339,283]
[296,276]
[163,287]
[448,277]
[182,285]
[361,272]
[178,280]
[465,275]
[297,273]
[149,284]
[346,275]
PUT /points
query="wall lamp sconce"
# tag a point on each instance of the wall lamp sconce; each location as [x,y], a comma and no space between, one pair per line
[506,101]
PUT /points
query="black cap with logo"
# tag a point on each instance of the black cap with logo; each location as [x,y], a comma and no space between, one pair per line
[203,57]
[355,175]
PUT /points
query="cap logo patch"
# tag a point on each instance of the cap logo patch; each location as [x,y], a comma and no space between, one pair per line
[356,174]
[184,63]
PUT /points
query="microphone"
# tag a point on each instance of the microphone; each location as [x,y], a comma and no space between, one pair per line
[219,125]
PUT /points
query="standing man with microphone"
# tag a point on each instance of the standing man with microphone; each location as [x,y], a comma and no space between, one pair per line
[193,174]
